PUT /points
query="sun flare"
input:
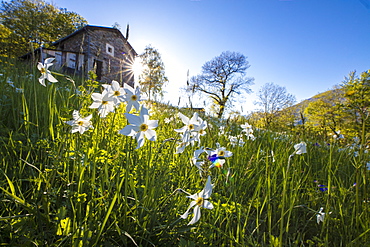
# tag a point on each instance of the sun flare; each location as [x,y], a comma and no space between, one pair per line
[137,68]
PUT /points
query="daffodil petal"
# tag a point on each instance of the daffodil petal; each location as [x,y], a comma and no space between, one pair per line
[88,117]
[133,119]
[207,204]
[194,119]
[183,118]
[127,131]
[140,140]
[51,78]
[136,105]
[129,106]
[128,88]
[49,60]
[115,85]
[75,115]
[152,124]
[151,135]
[39,66]
[144,111]
[47,65]
[196,216]
[95,105]
[208,188]
[42,81]
[185,215]
[194,196]
[181,130]
[97,96]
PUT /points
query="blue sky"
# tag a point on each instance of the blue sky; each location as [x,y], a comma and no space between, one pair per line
[307,46]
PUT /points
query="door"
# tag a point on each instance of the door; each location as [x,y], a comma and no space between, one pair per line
[98,67]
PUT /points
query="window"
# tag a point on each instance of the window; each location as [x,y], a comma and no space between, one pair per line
[71,60]
[110,49]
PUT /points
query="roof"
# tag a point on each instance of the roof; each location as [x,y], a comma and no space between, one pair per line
[91,27]
[83,29]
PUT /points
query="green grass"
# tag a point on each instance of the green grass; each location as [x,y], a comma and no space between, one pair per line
[64,189]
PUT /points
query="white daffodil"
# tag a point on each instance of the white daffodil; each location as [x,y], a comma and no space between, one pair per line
[356,140]
[320,216]
[198,152]
[250,136]
[103,102]
[132,97]
[220,152]
[116,91]
[233,140]
[300,148]
[368,166]
[247,128]
[140,126]
[201,130]
[191,125]
[45,73]
[78,123]
[217,156]
[236,140]
[199,200]
[273,156]
[338,135]
[222,130]
[194,160]
[181,147]
[10,83]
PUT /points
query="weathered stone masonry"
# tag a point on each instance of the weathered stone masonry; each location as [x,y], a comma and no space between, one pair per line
[101,49]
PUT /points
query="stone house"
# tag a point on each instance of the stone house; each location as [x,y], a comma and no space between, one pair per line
[103,50]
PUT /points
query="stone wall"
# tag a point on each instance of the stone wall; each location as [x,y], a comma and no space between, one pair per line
[103,48]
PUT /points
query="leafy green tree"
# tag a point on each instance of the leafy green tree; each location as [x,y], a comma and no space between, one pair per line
[285,120]
[153,76]
[324,115]
[357,103]
[33,22]
[5,38]
[222,78]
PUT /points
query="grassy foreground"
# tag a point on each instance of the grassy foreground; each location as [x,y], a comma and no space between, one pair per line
[59,188]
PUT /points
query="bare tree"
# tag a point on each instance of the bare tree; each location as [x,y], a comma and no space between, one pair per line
[273,98]
[222,78]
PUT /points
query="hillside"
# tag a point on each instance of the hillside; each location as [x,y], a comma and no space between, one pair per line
[331,95]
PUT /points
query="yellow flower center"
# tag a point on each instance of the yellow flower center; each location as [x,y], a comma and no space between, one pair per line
[80,123]
[201,131]
[134,97]
[191,126]
[104,102]
[144,127]
[221,153]
[43,70]
[117,93]
[199,201]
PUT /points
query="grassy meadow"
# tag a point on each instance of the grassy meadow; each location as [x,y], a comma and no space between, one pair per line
[99,188]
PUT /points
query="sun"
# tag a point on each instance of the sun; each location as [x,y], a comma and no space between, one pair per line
[137,67]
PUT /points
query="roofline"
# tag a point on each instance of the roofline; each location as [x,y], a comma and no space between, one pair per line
[93,27]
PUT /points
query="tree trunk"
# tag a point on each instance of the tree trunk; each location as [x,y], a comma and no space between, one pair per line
[221,111]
